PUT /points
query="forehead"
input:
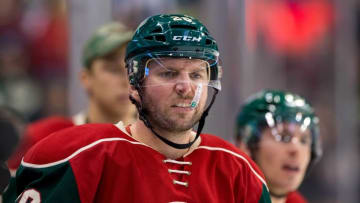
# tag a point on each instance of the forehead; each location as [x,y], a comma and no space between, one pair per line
[177,63]
[116,54]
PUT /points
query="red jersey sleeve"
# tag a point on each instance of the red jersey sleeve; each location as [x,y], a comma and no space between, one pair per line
[34,133]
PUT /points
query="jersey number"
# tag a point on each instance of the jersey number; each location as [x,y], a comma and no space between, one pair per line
[30,196]
[176,18]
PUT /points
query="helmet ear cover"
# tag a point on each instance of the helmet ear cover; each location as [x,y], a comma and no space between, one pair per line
[135,73]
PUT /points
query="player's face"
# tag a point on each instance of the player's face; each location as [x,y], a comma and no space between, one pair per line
[107,84]
[169,91]
[284,163]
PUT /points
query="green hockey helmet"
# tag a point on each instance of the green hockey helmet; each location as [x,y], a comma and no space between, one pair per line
[161,37]
[271,109]
[104,41]
[170,49]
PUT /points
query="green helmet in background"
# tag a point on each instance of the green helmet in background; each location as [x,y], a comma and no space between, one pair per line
[270,107]
[104,41]
[171,35]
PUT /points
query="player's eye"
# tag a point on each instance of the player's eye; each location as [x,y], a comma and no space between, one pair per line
[305,140]
[286,138]
[168,74]
[200,74]
[195,76]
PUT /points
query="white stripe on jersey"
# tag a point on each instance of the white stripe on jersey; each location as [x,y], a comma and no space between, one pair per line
[237,155]
[80,116]
[77,152]
[121,128]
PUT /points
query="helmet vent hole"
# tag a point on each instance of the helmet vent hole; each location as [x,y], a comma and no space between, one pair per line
[208,41]
[157,30]
[187,27]
[160,38]
[149,37]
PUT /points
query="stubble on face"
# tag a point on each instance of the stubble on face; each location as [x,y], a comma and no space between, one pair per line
[164,118]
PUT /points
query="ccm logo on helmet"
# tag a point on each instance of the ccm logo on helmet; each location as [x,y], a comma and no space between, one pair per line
[186,38]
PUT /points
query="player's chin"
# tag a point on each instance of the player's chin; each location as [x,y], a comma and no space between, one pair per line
[190,124]
[189,119]
[122,101]
[292,185]
[182,128]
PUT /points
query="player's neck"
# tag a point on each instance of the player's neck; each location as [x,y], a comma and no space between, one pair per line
[143,134]
[277,199]
[96,115]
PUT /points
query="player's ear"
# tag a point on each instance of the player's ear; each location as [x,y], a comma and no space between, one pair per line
[134,93]
[84,78]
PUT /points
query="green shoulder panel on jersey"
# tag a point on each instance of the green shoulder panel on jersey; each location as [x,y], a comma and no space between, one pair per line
[265,196]
[51,184]
[9,194]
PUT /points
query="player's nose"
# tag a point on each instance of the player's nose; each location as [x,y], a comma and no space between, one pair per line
[183,87]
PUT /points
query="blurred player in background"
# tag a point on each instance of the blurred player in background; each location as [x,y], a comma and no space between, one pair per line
[104,79]
[279,130]
[173,65]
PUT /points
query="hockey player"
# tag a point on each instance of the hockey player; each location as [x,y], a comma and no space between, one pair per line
[173,65]
[104,79]
[104,70]
[279,130]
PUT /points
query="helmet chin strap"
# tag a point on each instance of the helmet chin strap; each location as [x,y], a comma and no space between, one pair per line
[143,117]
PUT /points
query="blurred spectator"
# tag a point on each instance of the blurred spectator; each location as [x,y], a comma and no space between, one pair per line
[45,25]
[104,69]
[17,89]
[10,13]
[33,47]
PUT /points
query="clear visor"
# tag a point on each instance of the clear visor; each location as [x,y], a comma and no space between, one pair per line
[195,69]
[295,129]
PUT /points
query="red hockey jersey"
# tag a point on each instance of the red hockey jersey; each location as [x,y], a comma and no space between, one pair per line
[103,163]
[39,130]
